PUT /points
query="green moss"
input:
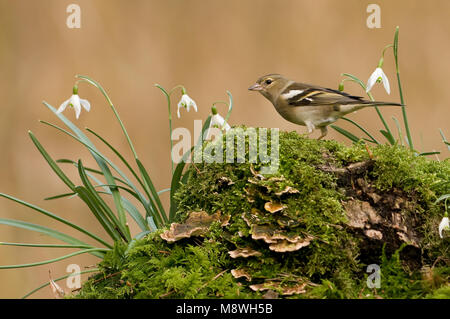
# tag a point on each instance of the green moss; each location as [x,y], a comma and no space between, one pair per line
[334,263]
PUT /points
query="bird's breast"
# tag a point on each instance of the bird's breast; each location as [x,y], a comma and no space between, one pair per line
[317,115]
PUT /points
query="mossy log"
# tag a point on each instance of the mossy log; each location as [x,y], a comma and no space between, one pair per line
[308,231]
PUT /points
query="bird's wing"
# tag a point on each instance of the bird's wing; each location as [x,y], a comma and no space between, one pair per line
[299,94]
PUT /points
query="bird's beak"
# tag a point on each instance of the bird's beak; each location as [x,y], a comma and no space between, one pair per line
[256,87]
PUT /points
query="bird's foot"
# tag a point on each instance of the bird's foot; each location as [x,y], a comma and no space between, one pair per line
[324,132]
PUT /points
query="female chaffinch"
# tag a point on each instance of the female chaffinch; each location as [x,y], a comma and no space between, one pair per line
[309,105]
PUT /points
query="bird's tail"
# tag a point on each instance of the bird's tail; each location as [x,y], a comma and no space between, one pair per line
[348,108]
[378,103]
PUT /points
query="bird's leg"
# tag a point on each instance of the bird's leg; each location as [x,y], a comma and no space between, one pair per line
[310,126]
[324,131]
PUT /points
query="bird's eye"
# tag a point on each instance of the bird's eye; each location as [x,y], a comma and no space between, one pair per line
[268,81]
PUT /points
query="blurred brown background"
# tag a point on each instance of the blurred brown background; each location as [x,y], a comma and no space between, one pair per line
[209,46]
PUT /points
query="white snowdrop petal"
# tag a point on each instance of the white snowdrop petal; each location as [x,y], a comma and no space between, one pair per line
[372,80]
[63,106]
[75,100]
[85,104]
[385,82]
[194,105]
[443,225]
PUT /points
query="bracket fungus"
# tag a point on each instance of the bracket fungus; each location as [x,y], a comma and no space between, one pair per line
[239,273]
[196,224]
[274,207]
[244,252]
[284,289]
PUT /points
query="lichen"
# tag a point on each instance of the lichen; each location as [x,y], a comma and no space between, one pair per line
[298,233]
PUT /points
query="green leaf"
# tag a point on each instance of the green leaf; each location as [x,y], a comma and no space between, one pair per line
[107,186]
[151,224]
[51,162]
[129,191]
[45,262]
[60,219]
[346,133]
[388,136]
[135,214]
[48,231]
[67,161]
[444,139]
[60,196]
[429,153]
[396,47]
[163,191]
[102,207]
[399,130]
[44,245]
[119,156]
[98,158]
[372,139]
[107,225]
[154,194]
[129,207]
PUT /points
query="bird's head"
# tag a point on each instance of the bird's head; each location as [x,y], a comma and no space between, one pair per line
[270,85]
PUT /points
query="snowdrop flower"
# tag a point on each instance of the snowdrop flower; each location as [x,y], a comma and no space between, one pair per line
[186,102]
[219,121]
[75,102]
[378,76]
[444,224]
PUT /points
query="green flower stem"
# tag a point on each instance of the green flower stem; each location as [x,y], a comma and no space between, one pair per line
[402,100]
[386,126]
[97,85]
[179,86]
[405,116]
[385,48]
[170,121]
[230,106]
[169,107]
